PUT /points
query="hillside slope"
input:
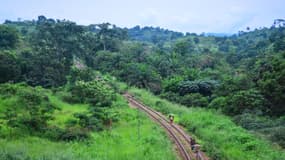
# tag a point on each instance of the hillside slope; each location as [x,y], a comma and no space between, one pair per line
[220,138]
[64,137]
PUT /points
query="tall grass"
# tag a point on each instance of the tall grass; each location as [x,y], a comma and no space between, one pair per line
[219,136]
[133,137]
[65,110]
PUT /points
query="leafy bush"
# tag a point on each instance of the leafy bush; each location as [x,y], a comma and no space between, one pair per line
[278,135]
[32,109]
[81,74]
[270,80]
[249,100]
[251,121]
[74,133]
[9,70]
[8,37]
[273,129]
[69,98]
[70,133]
[204,87]
[97,92]
[194,99]
[4,155]
[89,122]
[141,75]
[218,103]
[171,96]
[53,133]
[171,84]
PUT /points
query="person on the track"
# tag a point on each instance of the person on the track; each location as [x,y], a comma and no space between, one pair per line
[171,118]
[192,142]
[195,148]
[197,151]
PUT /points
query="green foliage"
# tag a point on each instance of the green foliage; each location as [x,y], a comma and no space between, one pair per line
[32,109]
[171,84]
[74,133]
[235,74]
[174,97]
[231,84]
[194,100]
[89,122]
[127,139]
[54,45]
[278,135]
[219,137]
[183,47]
[58,51]
[270,80]
[109,36]
[9,68]
[96,92]
[81,74]
[203,87]
[70,133]
[278,37]
[9,37]
[245,101]
[273,129]
[155,35]
[219,103]
[106,61]
[100,95]
[141,75]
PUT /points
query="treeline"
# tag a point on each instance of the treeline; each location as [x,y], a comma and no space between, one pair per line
[239,75]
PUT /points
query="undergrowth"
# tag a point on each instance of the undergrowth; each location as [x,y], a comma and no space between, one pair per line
[221,138]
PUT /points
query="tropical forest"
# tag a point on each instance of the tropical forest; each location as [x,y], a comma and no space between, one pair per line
[91,92]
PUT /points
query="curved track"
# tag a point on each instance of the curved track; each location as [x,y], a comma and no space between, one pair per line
[178,135]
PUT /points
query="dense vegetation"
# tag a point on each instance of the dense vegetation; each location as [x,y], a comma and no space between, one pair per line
[38,123]
[241,76]
[219,136]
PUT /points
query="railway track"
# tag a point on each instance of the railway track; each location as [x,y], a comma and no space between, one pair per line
[178,135]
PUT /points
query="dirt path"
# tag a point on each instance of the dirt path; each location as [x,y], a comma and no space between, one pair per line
[175,132]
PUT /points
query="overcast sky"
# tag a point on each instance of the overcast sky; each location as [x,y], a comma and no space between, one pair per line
[226,16]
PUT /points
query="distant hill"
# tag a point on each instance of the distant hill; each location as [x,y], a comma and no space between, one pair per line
[153,34]
[218,34]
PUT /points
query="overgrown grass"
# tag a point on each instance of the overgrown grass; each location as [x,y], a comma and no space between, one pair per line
[219,136]
[120,143]
[65,111]
[133,137]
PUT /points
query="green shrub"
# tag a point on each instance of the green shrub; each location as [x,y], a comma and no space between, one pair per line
[69,98]
[74,133]
[5,155]
[194,100]
[81,74]
[204,87]
[218,103]
[278,135]
[97,92]
[89,122]
[174,97]
[9,68]
[32,109]
[252,121]
[9,37]
[248,100]
[70,133]
[53,133]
